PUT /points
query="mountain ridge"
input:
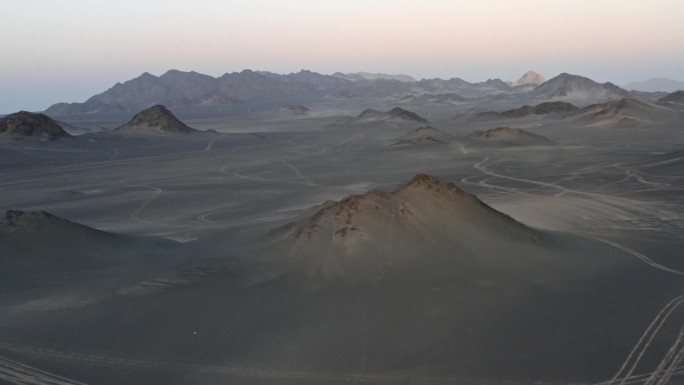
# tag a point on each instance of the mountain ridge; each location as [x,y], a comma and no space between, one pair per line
[178,89]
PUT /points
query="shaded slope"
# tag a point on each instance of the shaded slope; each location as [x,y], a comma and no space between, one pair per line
[41,242]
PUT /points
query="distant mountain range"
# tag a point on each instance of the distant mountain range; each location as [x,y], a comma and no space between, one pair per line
[361,76]
[655,85]
[178,90]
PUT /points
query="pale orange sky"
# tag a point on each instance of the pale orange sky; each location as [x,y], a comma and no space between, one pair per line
[68,50]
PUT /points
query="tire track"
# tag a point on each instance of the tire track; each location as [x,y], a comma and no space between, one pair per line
[135,215]
[21,374]
[644,342]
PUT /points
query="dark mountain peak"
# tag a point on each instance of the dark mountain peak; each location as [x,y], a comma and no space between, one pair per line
[519,112]
[369,113]
[398,112]
[426,134]
[174,72]
[15,217]
[565,78]
[554,107]
[294,109]
[578,89]
[175,75]
[499,130]
[432,183]
[146,76]
[24,124]
[157,118]
[494,83]
[158,109]
[38,222]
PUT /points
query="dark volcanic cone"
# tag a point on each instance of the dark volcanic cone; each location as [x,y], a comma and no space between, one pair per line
[26,124]
[156,119]
[397,115]
[427,229]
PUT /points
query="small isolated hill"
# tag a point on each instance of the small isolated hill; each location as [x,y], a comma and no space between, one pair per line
[427,134]
[156,119]
[547,108]
[509,136]
[577,90]
[394,116]
[294,110]
[25,124]
[530,77]
[624,111]
[426,230]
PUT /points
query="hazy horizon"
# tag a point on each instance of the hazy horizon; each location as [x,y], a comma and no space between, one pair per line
[70,50]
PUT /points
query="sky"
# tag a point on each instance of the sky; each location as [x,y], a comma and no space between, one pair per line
[68,50]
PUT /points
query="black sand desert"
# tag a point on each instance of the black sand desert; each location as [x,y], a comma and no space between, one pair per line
[315,229]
